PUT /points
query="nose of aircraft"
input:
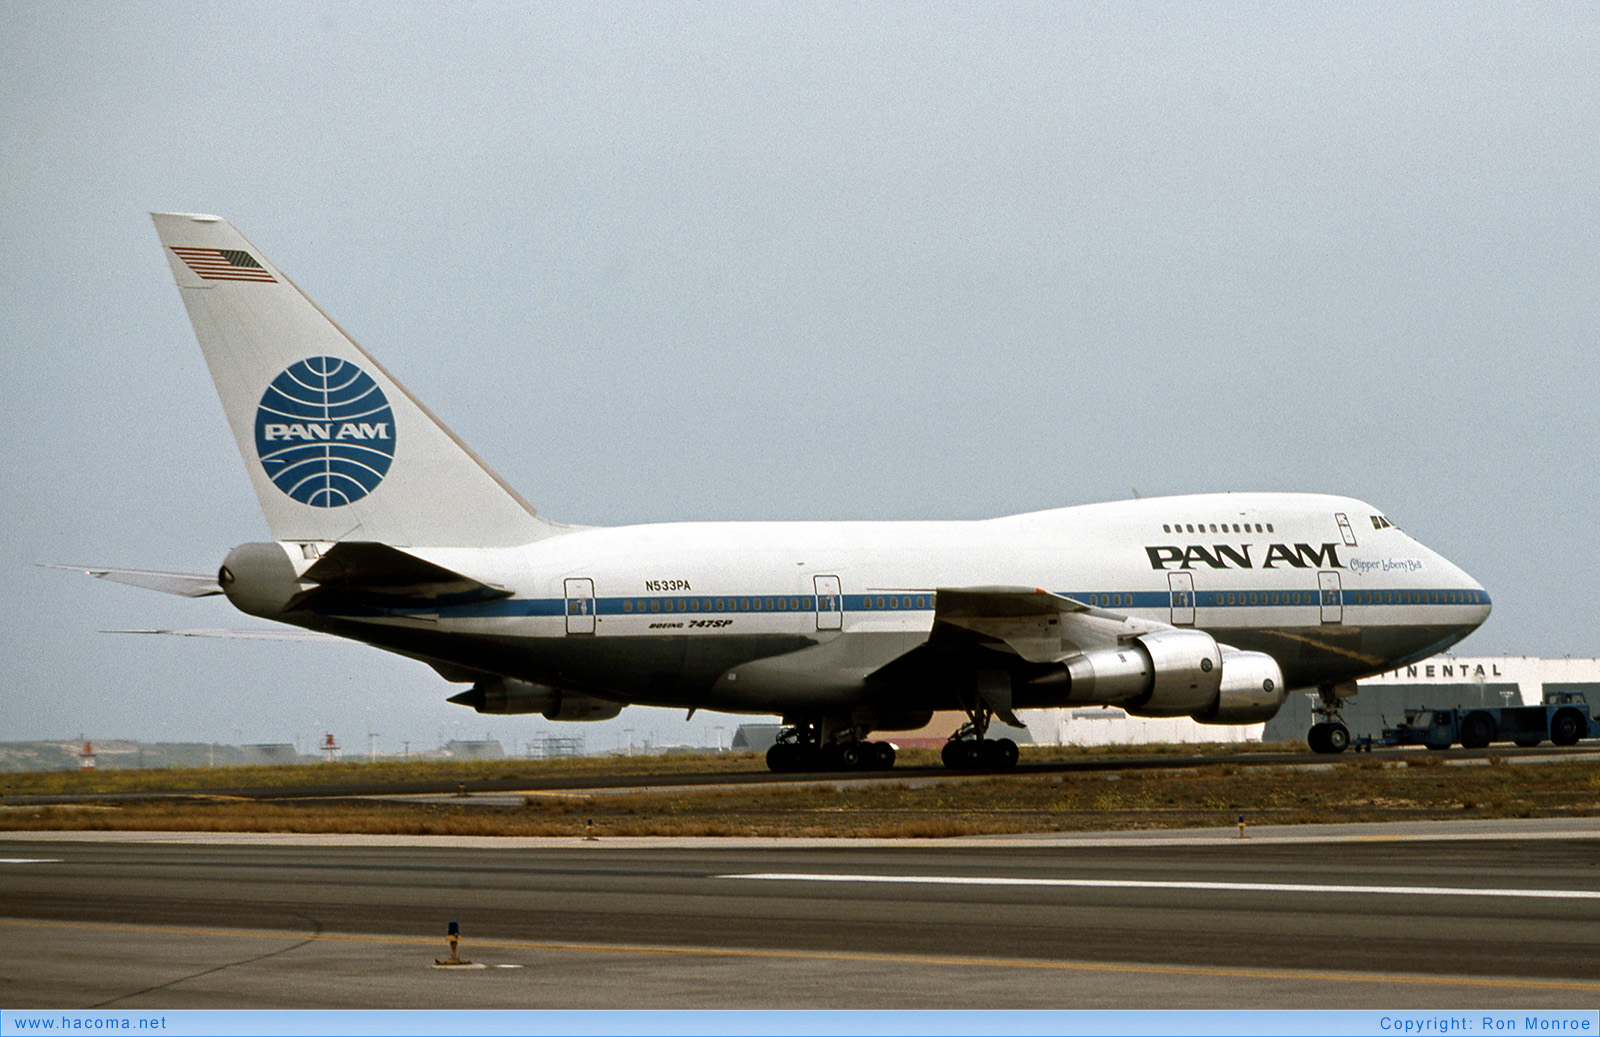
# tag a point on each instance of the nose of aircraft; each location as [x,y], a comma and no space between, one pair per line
[1453,578]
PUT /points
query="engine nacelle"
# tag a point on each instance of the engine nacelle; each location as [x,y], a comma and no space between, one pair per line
[1165,673]
[1252,689]
[506,696]
[582,707]
[1188,673]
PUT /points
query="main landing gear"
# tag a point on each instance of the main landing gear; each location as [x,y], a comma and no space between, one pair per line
[1328,734]
[802,747]
[969,750]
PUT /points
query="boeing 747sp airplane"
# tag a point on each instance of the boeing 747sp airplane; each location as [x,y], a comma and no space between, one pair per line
[390,531]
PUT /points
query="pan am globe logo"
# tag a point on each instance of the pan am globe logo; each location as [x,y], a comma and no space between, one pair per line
[324,432]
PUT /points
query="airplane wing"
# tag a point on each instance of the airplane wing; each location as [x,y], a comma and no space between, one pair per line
[188,585]
[1035,625]
[978,624]
[256,634]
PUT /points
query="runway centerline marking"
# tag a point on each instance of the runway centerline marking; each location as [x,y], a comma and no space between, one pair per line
[1225,887]
[30,860]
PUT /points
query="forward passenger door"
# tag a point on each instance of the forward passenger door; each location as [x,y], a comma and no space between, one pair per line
[1332,597]
[830,603]
[580,606]
[1181,586]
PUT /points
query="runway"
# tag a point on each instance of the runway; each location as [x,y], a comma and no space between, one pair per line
[1496,914]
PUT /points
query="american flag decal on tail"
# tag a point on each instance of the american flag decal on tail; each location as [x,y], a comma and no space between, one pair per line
[223,264]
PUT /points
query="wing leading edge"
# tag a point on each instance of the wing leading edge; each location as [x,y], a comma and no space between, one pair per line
[1033,624]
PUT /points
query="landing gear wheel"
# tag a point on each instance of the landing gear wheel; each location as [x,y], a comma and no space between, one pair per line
[1328,734]
[882,756]
[968,754]
[965,754]
[1328,738]
[787,758]
[795,750]
[853,757]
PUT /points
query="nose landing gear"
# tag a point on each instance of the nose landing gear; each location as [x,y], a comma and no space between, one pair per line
[1328,734]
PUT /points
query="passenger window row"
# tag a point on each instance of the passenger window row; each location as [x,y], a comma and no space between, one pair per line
[1270,598]
[1417,597]
[926,601]
[718,604]
[1309,598]
[1216,527]
[903,601]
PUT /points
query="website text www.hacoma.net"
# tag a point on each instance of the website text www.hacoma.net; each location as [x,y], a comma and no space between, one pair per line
[74,1023]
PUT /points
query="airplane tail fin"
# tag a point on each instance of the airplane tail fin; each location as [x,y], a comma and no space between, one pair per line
[336,448]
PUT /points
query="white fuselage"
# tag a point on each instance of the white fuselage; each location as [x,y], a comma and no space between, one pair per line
[784,617]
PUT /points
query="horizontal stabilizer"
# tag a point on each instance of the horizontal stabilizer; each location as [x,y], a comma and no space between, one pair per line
[377,575]
[188,585]
[241,635]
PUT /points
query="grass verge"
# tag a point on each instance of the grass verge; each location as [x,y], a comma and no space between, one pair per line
[1413,788]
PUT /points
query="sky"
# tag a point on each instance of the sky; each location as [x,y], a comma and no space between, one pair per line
[659,261]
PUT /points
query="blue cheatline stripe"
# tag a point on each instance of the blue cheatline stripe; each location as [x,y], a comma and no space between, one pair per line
[701,606]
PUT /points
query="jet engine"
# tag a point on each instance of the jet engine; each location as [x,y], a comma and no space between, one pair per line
[1252,689]
[504,695]
[1166,673]
[1175,673]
